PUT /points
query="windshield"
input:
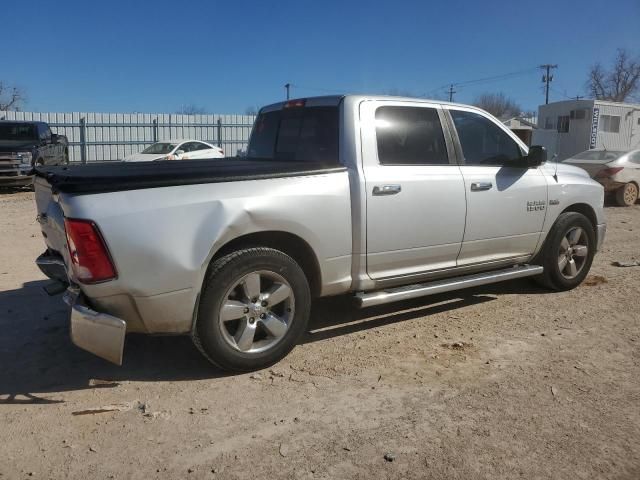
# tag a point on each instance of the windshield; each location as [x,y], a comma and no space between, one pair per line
[597,155]
[296,134]
[159,148]
[18,131]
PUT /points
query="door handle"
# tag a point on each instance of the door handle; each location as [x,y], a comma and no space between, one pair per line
[479,186]
[387,189]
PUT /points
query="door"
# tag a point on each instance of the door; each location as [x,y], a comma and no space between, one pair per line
[415,199]
[506,200]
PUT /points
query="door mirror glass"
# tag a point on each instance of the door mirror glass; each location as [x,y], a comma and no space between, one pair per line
[537,156]
[179,152]
[54,138]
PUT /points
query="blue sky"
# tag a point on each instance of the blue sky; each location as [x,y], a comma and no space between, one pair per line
[126,56]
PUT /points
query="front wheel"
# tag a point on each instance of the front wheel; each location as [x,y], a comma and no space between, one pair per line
[627,195]
[254,306]
[568,252]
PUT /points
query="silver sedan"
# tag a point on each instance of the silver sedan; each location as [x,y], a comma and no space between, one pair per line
[618,172]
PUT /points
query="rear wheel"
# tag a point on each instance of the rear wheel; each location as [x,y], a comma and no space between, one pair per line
[254,306]
[568,252]
[627,195]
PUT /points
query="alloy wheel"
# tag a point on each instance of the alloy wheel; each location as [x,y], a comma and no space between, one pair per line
[257,312]
[573,252]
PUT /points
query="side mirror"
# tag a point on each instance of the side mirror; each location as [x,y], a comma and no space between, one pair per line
[179,152]
[537,156]
[54,138]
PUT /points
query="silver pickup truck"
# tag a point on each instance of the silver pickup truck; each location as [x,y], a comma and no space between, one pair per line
[381,198]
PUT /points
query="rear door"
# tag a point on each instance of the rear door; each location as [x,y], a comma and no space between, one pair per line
[415,198]
[506,201]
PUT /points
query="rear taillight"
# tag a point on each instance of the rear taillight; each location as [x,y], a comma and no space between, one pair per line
[608,172]
[89,255]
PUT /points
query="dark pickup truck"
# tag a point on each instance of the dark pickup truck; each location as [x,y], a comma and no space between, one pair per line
[23,145]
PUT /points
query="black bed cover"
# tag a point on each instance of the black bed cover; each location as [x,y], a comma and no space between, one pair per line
[117,176]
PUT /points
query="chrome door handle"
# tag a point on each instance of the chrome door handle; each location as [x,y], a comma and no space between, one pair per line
[479,186]
[387,189]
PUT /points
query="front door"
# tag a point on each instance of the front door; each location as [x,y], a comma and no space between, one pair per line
[506,201]
[415,199]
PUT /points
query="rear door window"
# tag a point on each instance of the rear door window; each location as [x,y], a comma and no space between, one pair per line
[410,136]
[296,134]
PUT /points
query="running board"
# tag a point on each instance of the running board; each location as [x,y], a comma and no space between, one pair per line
[378,297]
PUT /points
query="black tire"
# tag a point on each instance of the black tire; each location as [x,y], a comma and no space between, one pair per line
[627,195]
[552,277]
[223,274]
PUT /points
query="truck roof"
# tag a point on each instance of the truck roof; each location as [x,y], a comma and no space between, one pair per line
[31,122]
[330,100]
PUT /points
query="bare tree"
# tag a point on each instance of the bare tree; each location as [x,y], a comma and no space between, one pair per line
[498,105]
[192,109]
[11,98]
[620,83]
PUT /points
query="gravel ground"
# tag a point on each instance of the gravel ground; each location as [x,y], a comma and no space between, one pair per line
[499,382]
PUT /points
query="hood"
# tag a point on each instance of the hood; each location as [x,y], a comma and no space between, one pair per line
[143,157]
[564,169]
[17,145]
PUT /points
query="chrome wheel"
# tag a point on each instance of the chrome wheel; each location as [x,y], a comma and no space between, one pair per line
[257,312]
[573,253]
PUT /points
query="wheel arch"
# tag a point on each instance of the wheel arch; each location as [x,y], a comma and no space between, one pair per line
[286,242]
[586,210]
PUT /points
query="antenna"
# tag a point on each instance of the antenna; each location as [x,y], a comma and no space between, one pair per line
[555,173]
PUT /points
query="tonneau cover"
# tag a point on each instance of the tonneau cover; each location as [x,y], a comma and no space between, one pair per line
[117,176]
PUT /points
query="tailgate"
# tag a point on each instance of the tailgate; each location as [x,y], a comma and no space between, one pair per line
[51,219]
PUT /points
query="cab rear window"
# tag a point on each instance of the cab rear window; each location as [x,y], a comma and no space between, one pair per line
[296,134]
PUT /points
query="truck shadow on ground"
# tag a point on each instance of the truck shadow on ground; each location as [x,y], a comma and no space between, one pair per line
[37,357]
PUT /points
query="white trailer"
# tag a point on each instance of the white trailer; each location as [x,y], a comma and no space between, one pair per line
[573,126]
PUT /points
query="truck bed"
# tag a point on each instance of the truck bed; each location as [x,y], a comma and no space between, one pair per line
[119,176]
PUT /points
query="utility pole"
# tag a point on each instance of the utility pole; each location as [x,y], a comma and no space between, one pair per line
[547,78]
[287,86]
[451,92]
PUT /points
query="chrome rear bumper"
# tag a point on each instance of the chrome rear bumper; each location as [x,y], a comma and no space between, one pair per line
[52,266]
[98,333]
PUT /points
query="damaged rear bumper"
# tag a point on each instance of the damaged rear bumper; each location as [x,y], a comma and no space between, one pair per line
[98,333]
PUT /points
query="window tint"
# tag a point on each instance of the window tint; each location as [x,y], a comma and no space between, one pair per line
[483,142]
[202,146]
[410,136]
[635,157]
[45,132]
[296,134]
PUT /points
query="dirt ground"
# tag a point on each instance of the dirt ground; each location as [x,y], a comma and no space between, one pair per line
[501,382]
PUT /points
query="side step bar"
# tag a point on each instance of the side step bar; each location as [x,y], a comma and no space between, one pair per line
[378,297]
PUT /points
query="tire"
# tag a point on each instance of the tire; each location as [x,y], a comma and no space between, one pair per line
[571,239]
[255,334]
[627,195]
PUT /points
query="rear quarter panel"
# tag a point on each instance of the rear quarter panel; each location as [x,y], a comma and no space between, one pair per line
[162,239]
